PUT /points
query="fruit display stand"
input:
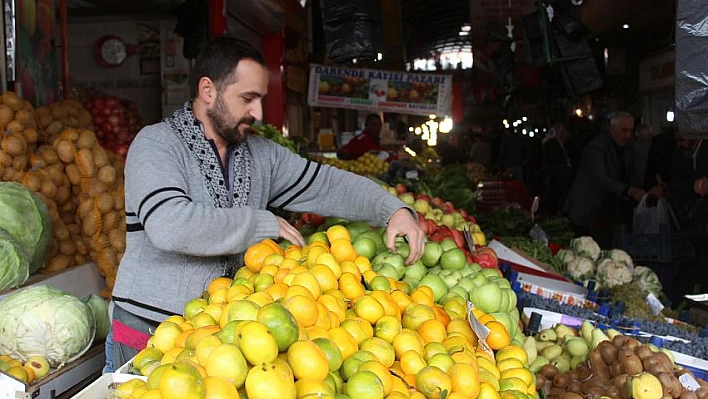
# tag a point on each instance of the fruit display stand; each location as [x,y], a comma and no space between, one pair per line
[80,281]
[101,388]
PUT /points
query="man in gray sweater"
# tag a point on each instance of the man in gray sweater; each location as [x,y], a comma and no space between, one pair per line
[197,186]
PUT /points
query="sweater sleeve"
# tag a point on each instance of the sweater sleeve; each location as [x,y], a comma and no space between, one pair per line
[308,186]
[158,200]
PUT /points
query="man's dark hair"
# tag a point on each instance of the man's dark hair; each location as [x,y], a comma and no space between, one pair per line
[218,59]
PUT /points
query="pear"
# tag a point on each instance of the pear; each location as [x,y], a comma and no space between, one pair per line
[586,329]
[576,360]
[552,351]
[562,363]
[597,336]
[576,346]
[547,335]
[541,345]
[530,349]
[562,331]
[644,386]
[611,333]
[538,363]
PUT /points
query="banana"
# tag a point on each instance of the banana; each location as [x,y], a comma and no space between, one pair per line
[644,386]
[530,349]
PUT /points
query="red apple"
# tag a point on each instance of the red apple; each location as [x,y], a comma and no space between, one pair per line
[400,188]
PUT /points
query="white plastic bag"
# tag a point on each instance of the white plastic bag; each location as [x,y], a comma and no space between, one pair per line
[647,219]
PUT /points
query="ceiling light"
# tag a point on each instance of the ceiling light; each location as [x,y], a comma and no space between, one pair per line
[379,56]
[463,33]
[669,116]
[579,112]
[625,26]
[524,119]
[466,28]
[531,134]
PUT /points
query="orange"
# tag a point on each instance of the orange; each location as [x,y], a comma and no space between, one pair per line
[325,277]
[256,254]
[343,250]
[236,292]
[219,282]
[369,275]
[412,362]
[363,263]
[273,245]
[315,332]
[260,298]
[432,382]
[462,326]
[402,299]
[351,286]
[307,360]
[406,341]
[389,304]
[338,232]
[350,267]
[304,309]
[219,388]
[333,304]
[422,295]
[324,319]
[277,290]
[381,371]
[464,356]
[309,281]
[328,260]
[280,275]
[298,290]
[498,336]
[369,308]
[181,380]
[314,252]
[432,330]
[441,315]
[293,252]
[270,268]
[343,340]
[485,318]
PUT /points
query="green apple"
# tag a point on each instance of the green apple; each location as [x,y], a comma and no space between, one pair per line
[447,244]
[459,291]
[407,198]
[453,259]
[357,227]
[435,283]
[447,220]
[431,253]
[416,271]
[421,206]
[467,284]
[450,277]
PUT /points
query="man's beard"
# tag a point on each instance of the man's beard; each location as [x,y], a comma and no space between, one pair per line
[229,132]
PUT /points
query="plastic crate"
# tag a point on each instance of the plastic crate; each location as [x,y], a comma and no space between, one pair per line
[663,247]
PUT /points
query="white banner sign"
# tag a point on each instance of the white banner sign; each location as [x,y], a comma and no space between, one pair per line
[377,90]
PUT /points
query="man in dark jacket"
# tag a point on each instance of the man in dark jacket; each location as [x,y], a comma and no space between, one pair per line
[594,202]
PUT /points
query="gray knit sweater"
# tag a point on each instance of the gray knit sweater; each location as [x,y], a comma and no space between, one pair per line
[177,239]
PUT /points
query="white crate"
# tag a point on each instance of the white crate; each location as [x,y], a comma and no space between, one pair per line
[58,381]
[99,388]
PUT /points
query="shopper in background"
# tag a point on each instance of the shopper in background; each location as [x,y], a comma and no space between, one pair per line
[638,154]
[594,203]
[481,149]
[196,190]
[556,172]
[366,141]
[513,154]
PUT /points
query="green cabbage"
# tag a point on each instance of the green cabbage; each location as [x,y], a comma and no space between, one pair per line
[648,280]
[45,321]
[25,216]
[99,307]
[14,266]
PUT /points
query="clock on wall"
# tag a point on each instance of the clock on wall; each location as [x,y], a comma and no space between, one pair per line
[111,51]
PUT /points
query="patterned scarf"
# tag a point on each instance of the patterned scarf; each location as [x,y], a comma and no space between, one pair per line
[190,131]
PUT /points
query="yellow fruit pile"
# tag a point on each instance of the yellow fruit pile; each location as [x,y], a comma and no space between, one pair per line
[367,164]
[298,321]
[35,368]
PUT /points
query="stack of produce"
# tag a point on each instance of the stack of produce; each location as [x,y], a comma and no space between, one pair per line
[585,261]
[299,321]
[56,117]
[367,164]
[42,327]
[79,184]
[19,136]
[117,122]
[605,365]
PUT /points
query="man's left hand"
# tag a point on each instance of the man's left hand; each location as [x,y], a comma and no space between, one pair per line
[403,224]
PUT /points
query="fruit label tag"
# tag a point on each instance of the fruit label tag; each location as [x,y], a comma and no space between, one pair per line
[654,304]
[479,329]
[412,174]
[689,382]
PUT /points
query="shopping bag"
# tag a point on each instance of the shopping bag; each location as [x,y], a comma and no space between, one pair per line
[647,219]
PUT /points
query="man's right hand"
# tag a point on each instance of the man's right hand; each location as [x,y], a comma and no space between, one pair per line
[636,193]
[290,233]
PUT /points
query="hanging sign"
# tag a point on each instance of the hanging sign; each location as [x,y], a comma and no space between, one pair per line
[378,90]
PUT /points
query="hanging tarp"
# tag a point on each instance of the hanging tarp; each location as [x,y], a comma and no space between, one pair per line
[379,90]
[691,72]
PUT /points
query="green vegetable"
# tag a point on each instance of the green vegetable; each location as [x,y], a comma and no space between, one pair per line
[24,215]
[585,246]
[99,308]
[272,133]
[45,321]
[648,280]
[14,266]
